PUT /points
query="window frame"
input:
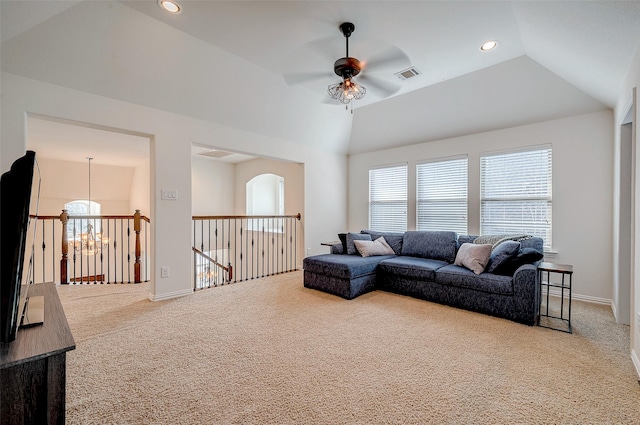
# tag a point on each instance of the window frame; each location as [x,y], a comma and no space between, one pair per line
[538,203]
[443,197]
[396,222]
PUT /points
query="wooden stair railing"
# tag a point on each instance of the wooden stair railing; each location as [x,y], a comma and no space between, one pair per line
[66,219]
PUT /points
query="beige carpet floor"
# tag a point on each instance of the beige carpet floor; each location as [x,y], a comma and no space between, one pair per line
[270,351]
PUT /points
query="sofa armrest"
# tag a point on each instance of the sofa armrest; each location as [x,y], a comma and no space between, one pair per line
[336,248]
[526,290]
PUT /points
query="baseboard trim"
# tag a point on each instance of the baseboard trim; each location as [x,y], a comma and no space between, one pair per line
[170,295]
[636,362]
[587,298]
[590,299]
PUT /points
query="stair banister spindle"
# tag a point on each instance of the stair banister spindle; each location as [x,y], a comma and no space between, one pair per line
[64,261]
[136,264]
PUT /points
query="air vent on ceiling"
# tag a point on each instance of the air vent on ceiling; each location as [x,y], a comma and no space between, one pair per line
[407,73]
[214,153]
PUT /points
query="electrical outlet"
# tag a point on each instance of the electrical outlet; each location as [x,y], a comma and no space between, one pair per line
[164,271]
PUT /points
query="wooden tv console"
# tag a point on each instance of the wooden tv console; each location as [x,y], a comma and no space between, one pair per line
[33,367]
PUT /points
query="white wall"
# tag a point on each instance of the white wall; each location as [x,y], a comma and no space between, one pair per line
[140,189]
[213,187]
[171,137]
[582,183]
[66,181]
[629,95]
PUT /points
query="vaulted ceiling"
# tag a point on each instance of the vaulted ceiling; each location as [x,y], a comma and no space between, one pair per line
[226,62]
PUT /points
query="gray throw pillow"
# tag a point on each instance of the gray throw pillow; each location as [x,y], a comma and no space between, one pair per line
[473,256]
[373,248]
[351,248]
[502,253]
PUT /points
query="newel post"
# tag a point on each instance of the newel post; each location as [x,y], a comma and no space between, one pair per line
[136,264]
[64,261]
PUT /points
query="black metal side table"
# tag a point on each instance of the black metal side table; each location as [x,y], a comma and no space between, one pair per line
[563,286]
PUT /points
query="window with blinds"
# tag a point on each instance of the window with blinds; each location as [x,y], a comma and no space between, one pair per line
[388,198]
[515,193]
[442,195]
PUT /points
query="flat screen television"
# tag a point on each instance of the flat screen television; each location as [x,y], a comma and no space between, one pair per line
[15,198]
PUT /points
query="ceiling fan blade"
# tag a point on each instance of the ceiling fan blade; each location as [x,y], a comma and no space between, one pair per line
[381,87]
[390,58]
[294,79]
[328,49]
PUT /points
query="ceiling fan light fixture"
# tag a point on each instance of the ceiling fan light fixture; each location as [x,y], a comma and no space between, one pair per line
[170,6]
[488,45]
[346,91]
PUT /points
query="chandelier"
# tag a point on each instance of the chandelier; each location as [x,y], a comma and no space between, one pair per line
[90,242]
[347,68]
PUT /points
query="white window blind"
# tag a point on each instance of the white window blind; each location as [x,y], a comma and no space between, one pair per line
[388,198]
[442,195]
[516,194]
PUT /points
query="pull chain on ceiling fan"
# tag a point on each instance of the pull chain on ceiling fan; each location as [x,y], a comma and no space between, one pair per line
[347,68]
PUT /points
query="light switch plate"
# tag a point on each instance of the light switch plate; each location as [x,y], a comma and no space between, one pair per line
[169,194]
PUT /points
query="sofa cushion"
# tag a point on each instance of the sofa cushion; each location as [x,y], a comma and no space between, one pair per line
[342,266]
[466,239]
[474,257]
[337,248]
[351,248]
[502,253]
[394,239]
[433,245]
[461,277]
[411,267]
[373,248]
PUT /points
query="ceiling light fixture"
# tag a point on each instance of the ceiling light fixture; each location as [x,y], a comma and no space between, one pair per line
[347,67]
[170,6]
[489,45]
[346,91]
[89,242]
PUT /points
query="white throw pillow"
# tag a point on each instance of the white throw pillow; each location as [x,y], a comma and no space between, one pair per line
[473,256]
[371,248]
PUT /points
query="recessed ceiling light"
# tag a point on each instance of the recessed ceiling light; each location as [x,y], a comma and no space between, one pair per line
[170,6]
[489,45]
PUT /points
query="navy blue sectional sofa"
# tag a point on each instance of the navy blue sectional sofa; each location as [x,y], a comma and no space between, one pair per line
[422,266]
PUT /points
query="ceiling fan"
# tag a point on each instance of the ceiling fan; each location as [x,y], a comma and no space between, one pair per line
[347,67]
